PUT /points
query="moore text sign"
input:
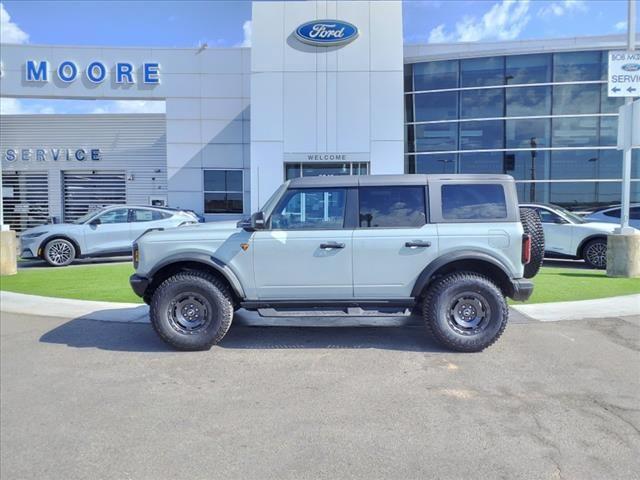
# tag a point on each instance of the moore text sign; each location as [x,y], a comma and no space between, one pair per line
[624,74]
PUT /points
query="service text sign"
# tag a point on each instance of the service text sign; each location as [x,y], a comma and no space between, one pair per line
[624,73]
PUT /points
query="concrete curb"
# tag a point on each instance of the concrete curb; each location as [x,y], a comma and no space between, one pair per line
[622,306]
[21,303]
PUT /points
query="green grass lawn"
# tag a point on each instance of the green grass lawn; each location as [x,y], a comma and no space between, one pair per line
[111,283]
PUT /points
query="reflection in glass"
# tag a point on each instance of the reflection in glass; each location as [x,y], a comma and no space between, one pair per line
[574,164]
[436,106]
[568,99]
[435,75]
[477,201]
[576,66]
[481,72]
[481,134]
[608,131]
[441,163]
[325,169]
[482,103]
[528,101]
[392,207]
[436,137]
[609,164]
[527,165]
[482,162]
[574,132]
[528,69]
[528,133]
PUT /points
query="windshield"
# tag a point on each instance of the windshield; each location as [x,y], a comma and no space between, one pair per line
[87,216]
[573,218]
[271,203]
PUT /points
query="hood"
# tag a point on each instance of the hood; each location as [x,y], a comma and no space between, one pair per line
[598,226]
[194,231]
[51,228]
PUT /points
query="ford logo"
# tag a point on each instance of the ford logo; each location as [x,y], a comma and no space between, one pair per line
[631,67]
[326,33]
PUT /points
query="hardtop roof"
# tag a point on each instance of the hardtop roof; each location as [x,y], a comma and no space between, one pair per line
[382,180]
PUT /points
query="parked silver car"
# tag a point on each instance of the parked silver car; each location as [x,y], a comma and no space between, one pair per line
[567,235]
[612,215]
[103,232]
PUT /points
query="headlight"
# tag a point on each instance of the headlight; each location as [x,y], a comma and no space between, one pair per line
[33,235]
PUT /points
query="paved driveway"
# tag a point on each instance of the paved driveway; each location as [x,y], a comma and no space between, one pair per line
[87,399]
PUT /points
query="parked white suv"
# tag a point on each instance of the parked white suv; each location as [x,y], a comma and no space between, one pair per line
[107,231]
[452,247]
[568,235]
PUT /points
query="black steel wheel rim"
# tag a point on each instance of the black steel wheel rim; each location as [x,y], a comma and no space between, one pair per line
[469,313]
[189,313]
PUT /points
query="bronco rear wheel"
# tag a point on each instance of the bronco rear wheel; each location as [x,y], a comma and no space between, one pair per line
[532,226]
[191,310]
[465,311]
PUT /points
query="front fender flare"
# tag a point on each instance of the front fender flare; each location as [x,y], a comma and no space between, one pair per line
[204,259]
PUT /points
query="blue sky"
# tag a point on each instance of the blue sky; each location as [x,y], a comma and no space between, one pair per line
[228,23]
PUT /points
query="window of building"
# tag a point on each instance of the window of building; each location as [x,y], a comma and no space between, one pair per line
[486,134]
[436,137]
[481,72]
[310,209]
[576,66]
[528,101]
[574,132]
[390,207]
[578,99]
[435,75]
[527,165]
[473,202]
[223,191]
[295,170]
[528,133]
[609,104]
[408,108]
[608,131]
[482,162]
[436,106]
[438,163]
[528,69]
[482,103]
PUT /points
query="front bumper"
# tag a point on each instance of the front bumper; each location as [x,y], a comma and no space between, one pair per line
[138,284]
[522,289]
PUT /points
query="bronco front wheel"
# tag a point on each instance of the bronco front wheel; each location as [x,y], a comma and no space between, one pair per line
[465,311]
[191,310]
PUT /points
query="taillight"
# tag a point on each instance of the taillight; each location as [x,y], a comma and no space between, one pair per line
[526,249]
[136,255]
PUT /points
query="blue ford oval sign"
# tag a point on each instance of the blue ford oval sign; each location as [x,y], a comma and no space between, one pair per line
[631,67]
[326,33]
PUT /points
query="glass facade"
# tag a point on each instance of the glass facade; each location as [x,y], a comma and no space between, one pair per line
[545,119]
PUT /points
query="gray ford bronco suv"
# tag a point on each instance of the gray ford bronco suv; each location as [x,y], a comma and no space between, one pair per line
[450,247]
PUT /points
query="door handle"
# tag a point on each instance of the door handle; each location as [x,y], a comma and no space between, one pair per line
[417,244]
[331,245]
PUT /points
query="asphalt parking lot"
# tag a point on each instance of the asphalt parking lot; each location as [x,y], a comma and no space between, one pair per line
[89,399]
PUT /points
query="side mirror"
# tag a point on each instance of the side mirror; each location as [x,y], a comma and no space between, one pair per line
[257,221]
[95,221]
[560,221]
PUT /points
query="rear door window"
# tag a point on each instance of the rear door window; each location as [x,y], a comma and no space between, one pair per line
[473,202]
[392,207]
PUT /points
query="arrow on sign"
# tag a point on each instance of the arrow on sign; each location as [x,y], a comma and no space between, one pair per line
[631,89]
[615,89]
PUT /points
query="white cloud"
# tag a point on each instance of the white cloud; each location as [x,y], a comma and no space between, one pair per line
[247,30]
[13,106]
[131,106]
[503,21]
[562,7]
[621,26]
[9,31]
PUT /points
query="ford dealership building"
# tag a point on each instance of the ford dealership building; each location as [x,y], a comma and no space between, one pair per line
[327,88]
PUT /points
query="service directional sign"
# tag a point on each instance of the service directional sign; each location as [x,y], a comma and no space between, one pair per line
[624,74]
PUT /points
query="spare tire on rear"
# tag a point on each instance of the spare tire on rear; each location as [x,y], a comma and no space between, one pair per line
[532,226]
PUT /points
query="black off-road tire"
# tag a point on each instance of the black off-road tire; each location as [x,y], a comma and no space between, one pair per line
[208,293]
[596,249]
[532,226]
[448,292]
